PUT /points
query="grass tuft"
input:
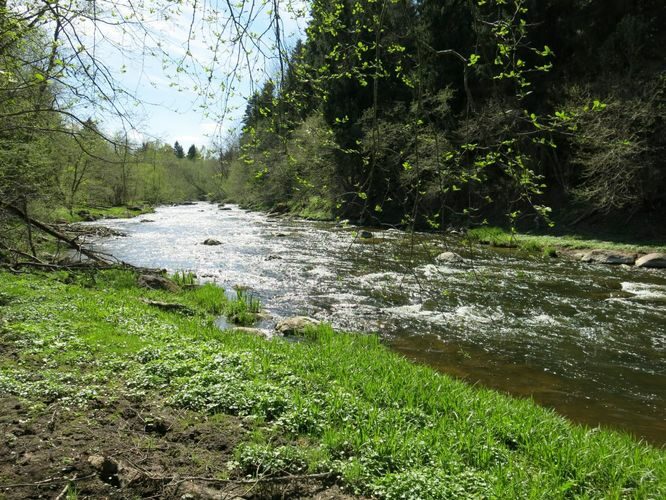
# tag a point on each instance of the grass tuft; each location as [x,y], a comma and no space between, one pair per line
[244,309]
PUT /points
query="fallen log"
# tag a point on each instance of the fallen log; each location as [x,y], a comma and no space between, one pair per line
[53,232]
[169,306]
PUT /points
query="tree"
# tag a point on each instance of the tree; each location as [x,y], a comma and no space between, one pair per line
[192,153]
[80,160]
[178,150]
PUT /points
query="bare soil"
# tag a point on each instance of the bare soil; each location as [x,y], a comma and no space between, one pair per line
[124,449]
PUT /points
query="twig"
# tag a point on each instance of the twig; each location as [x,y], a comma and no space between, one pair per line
[277,479]
[65,490]
[51,423]
[51,480]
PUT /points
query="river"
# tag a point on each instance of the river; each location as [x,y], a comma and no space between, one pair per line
[586,340]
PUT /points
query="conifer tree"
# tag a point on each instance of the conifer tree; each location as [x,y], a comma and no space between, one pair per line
[178,150]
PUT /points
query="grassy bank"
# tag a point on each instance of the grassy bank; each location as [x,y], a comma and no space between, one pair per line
[495,236]
[169,395]
[86,213]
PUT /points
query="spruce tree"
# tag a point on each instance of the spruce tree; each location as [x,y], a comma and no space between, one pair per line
[178,150]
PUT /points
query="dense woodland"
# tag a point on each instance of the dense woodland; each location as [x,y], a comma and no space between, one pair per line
[452,112]
[422,113]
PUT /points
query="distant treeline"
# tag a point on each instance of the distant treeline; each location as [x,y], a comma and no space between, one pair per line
[436,112]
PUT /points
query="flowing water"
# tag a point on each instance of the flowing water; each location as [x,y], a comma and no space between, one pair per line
[586,340]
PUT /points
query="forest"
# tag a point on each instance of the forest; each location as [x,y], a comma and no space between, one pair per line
[440,113]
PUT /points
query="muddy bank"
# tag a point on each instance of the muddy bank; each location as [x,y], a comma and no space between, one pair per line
[129,449]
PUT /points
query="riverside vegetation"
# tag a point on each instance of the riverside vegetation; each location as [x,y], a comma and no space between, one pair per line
[105,390]
[419,114]
[549,244]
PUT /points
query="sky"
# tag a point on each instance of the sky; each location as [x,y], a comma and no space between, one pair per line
[188,77]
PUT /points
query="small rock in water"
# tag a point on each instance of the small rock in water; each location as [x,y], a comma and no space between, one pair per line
[273,257]
[652,260]
[366,235]
[294,325]
[450,257]
[609,257]
[146,220]
[211,242]
[224,209]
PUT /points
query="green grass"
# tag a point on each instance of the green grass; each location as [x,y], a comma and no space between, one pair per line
[333,402]
[498,237]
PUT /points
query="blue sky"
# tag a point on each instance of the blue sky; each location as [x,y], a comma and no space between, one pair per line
[193,92]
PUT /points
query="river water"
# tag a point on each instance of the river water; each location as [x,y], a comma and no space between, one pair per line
[586,340]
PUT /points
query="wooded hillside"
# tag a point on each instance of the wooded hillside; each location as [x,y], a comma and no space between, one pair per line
[452,111]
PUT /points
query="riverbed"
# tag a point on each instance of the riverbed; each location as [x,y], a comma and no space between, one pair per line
[587,340]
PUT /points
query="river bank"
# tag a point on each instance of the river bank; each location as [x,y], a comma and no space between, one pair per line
[584,339]
[590,246]
[99,380]
[570,245]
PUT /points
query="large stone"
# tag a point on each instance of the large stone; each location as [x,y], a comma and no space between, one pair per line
[211,242]
[86,216]
[294,325]
[157,283]
[653,260]
[609,257]
[250,331]
[449,257]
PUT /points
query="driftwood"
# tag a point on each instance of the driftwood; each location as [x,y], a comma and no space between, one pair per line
[72,243]
[22,254]
[128,473]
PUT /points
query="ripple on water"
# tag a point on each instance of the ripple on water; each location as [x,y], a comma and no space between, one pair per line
[646,291]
